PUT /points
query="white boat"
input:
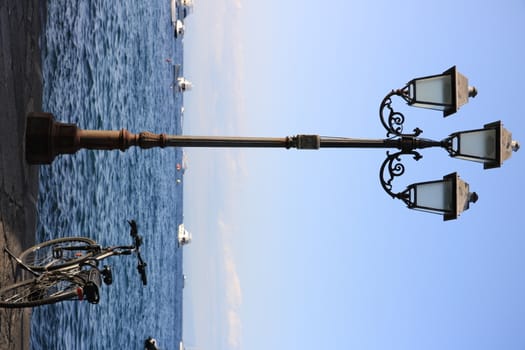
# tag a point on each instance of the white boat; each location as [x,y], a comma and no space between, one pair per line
[178,24]
[179,28]
[185,8]
[182,117]
[183,84]
[183,235]
[182,166]
[184,161]
[174,12]
[176,71]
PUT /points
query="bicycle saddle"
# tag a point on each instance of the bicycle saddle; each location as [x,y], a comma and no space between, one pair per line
[91,287]
[91,292]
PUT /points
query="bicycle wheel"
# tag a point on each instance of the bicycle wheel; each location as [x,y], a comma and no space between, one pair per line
[40,291]
[40,256]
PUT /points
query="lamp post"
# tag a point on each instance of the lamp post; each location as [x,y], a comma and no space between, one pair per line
[446,92]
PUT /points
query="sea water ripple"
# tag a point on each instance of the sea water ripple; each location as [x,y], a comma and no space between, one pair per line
[104,67]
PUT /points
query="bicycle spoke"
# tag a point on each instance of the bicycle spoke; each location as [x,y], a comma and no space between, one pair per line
[57,253]
[48,289]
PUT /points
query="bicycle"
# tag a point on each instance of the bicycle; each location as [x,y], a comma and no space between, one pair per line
[66,269]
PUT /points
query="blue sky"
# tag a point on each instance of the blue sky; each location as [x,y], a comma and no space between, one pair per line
[303,249]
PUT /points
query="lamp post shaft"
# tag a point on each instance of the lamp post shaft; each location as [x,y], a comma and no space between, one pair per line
[403,143]
[123,139]
[47,138]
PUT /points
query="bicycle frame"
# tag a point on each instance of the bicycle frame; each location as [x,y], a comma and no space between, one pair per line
[102,254]
[99,252]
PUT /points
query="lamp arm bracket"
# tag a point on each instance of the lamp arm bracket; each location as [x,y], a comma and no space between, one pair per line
[393,121]
[392,168]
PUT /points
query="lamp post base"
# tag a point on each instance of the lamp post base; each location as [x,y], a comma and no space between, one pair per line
[46,138]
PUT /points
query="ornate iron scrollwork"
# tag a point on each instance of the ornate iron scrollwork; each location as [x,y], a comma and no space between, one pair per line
[392,168]
[393,123]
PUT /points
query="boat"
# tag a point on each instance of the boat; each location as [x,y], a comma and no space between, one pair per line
[179,81]
[183,235]
[179,28]
[182,166]
[176,70]
[184,84]
[178,24]
[174,12]
[180,9]
[182,117]
[184,161]
[185,8]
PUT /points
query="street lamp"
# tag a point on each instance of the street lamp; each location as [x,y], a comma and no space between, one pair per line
[47,138]
[449,196]
[491,145]
[445,92]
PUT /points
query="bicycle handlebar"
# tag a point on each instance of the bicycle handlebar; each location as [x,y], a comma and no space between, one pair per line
[141,266]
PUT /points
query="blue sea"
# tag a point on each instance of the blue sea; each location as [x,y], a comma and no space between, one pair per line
[105,67]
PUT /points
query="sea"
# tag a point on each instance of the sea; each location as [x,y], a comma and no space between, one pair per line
[108,65]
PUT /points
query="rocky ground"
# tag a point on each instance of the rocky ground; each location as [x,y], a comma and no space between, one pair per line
[20,93]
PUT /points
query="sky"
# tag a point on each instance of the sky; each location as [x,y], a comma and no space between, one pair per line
[303,249]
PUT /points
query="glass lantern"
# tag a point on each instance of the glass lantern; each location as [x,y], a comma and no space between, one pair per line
[449,196]
[491,145]
[445,92]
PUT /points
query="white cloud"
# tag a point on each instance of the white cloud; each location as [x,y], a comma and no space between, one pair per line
[216,66]
[216,106]
[232,289]
[234,330]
